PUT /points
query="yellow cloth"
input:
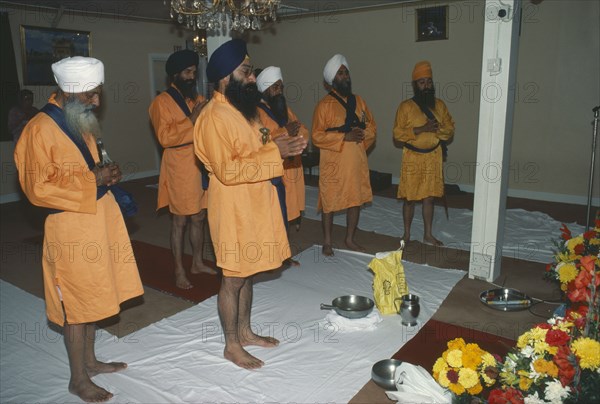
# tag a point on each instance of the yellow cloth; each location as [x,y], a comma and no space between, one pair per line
[243,209]
[180,180]
[421,174]
[293,172]
[87,252]
[422,70]
[343,168]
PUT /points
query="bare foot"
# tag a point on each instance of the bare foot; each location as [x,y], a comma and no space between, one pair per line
[202,269]
[89,392]
[241,357]
[327,250]
[102,367]
[293,262]
[182,282]
[433,241]
[258,340]
[354,247]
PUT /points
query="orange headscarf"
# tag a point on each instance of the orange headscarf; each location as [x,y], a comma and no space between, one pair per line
[422,70]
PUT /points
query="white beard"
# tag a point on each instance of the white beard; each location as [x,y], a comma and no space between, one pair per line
[80,118]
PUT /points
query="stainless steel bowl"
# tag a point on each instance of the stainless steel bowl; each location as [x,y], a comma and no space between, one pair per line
[383,371]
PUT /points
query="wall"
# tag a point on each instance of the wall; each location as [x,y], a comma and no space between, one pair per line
[124,46]
[558,83]
[551,136]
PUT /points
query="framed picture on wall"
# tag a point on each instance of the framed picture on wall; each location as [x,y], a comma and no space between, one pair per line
[432,23]
[40,47]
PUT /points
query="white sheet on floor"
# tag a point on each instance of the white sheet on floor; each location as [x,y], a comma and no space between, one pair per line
[180,358]
[527,235]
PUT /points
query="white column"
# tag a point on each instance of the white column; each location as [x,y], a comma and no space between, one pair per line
[500,49]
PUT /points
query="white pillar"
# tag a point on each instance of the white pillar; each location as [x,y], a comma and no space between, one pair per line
[500,50]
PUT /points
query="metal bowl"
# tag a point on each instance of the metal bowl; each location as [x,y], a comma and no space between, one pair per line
[505,299]
[383,371]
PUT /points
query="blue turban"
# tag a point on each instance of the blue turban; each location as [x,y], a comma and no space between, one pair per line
[225,59]
[181,60]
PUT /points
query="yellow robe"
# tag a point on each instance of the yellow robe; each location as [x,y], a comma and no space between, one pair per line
[180,180]
[421,174]
[87,254]
[343,167]
[244,215]
[293,172]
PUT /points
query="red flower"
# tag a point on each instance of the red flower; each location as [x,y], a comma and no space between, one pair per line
[543,326]
[579,249]
[510,395]
[588,235]
[452,375]
[566,370]
[565,232]
[557,338]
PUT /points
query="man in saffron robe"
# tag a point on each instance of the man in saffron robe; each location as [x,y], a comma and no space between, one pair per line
[279,119]
[173,114]
[422,124]
[245,214]
[343,129]
[88,264]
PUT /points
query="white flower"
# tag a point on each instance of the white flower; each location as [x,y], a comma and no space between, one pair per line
[555,392]
[527,351]
[533,399]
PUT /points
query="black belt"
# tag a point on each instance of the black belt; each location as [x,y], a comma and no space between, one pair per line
[419,150]
[180,145]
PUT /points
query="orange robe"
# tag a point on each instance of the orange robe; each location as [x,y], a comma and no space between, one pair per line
[421,174]
[87,254]
[293,172]
[244,215]
[180,180]
[343,167]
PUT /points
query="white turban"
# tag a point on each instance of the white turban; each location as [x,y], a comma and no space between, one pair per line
[268,77]
[332,67]
[78,74]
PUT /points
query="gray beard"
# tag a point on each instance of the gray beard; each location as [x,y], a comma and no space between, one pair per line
[80,118]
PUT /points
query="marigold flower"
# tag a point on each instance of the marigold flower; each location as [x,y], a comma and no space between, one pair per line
[468,377]
[525,383]
[454,358]
[566,272]
[588,352]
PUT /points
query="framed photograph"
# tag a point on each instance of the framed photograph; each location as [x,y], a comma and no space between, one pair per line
[40,47]
[432,23]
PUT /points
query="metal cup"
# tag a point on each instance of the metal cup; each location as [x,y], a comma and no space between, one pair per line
[409,309]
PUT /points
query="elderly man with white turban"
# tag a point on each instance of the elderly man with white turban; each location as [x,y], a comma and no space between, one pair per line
[343,129]
[280,120]
[88,265]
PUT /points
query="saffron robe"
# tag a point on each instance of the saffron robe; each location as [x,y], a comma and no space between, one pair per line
[180,180]
[343,167]
[421,174]
[244,214]
[293,172]
[87,256]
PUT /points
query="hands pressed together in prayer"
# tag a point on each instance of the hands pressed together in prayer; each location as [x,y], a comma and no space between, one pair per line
[290,146]
[109,174]
[432,125]
[355,135]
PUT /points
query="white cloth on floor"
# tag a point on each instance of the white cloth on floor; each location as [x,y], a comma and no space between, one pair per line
[416,385]
[343,324]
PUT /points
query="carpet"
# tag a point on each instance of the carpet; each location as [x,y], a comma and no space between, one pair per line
[527,235]
[156,266]
[179,359]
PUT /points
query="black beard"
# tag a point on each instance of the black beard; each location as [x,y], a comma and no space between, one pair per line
[425,98]
[244,97]
[80,119]
[187,87]
[278,105]
[343,87]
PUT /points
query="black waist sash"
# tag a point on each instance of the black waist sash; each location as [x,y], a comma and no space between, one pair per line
[442,143]
[351,120]
[180,101]
[278,181]
[58,116]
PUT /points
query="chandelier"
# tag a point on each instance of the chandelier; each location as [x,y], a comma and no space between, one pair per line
[213,15]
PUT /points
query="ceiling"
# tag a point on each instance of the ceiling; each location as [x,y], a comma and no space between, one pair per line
[157,10]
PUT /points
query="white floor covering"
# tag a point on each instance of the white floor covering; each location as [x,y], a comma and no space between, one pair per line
[179,359]
[527,235]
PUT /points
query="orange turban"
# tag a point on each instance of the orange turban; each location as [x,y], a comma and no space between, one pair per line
[422,70]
